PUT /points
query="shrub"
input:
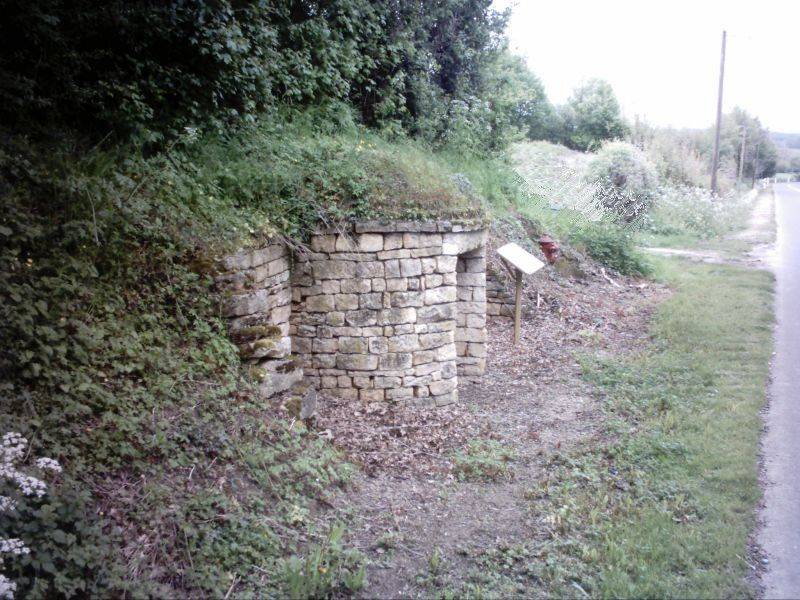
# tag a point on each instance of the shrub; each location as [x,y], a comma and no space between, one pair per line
[613,246]
[695,211]
[624,180]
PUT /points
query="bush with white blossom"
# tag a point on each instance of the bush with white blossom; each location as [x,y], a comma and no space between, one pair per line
[12,454]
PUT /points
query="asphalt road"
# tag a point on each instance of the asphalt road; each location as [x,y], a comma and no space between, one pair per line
[780,536]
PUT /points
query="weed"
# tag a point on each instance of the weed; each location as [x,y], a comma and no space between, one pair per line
[484,460]
[326,570]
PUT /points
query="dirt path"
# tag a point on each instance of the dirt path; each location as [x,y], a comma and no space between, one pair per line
[423,526]
[758,234]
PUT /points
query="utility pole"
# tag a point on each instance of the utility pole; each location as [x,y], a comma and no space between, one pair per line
[715,161]
[755,166]
[741,154]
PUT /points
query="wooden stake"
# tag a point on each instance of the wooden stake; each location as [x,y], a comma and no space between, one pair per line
[517,306]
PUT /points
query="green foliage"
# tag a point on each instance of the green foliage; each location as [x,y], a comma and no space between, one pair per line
[591,116]
[612,246]
[177,475]
[484,460]
[70,551]
[155,69]
[327,570]
[625,181]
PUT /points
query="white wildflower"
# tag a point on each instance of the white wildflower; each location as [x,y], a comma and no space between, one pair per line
[13,546]
[48,464]
[7,588]
[7,504]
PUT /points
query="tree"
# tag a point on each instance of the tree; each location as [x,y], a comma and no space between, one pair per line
[591,116]
[625,181]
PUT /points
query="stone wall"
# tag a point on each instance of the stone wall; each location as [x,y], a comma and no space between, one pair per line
[375,310]
[257,303]
[471,313]
[499,300]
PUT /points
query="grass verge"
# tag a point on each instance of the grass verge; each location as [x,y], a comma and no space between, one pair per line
[663,507]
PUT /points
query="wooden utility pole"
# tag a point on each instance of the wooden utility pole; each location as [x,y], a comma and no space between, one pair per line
[715,161]
[741,154]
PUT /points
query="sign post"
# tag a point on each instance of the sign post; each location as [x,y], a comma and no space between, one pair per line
[521,263]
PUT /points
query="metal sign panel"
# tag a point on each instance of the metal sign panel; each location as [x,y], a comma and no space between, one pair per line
[520,258]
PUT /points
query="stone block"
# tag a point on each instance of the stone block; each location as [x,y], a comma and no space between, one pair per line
[353,345]
[392,268]
[379,284]
[378,345]
[361,318]
[279,265]
[328,381]
[436,312]
[403,343]
[438,388]
[331,286]
[334,319]
[440,295]
[427,369]
[325,345]
[445,399]
[397,285]
[399,393]
[362,382]
[394,226]
[357,362]
[334,269]
[346,301]
[446,264]
[400,360]
[372,300]
[247,304]
[446,352]
[368,270]
[449,369]
[434,340]
[392,254]
[404,299]
[354,286]
[476,321]
[468,334]
[471,279]
[426,252]
[432,281]
[477,350]
[394,316]
[322,303]
[410,267]
[392,241]
[415,283]
[345,243]
[421,240]
[323,243]
[370,242]
[428,265]
[477,308]
[422,357]
[387,382]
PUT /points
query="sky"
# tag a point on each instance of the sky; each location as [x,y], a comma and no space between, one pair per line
[662,56]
